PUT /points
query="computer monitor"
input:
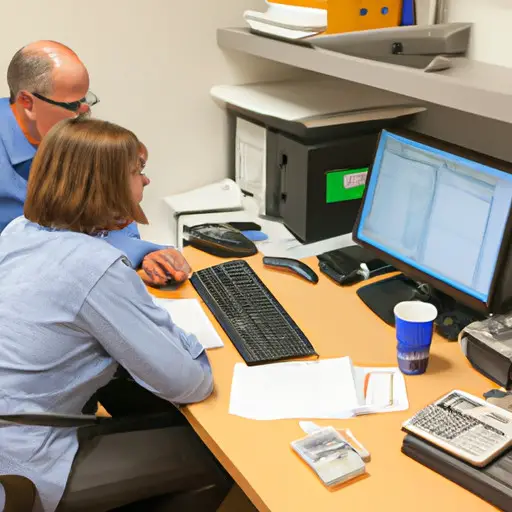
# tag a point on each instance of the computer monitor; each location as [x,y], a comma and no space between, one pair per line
[442,216]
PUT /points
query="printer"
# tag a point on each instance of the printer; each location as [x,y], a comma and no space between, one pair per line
[488,346]
[302,148]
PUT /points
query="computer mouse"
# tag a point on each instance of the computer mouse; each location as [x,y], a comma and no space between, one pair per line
[171,285]
[301,269]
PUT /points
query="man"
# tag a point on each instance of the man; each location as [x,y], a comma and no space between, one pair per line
[48,83]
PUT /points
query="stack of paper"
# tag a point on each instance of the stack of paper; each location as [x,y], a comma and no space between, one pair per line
[326,389]
[189,315]
[287,21]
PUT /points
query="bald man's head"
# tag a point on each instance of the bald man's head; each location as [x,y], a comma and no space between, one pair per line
[47,83]
[43,66]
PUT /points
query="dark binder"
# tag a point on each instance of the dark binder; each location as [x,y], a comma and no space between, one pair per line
[492,483]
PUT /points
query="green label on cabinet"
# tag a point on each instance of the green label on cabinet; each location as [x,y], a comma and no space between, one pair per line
[345,185]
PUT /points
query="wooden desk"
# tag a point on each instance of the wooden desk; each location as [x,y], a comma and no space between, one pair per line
[257,453]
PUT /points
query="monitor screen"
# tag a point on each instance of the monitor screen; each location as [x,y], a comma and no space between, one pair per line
[435,211]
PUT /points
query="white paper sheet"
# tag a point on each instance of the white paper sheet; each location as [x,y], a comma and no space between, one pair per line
[380,389]
[288,246]
[282,32]
[291,16]
[326,389]
[312,389]
[189,315]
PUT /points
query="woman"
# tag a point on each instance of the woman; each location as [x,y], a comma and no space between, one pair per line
[72,310]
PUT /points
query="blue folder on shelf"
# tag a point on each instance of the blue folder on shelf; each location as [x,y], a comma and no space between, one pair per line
[408,13]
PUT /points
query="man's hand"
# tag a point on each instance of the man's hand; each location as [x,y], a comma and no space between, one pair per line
[160,267]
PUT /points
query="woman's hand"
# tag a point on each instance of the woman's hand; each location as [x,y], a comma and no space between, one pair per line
[160,267]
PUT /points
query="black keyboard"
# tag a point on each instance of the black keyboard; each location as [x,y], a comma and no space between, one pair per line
[259,327]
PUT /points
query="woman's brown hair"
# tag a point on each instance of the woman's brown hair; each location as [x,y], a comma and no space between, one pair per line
[80,177]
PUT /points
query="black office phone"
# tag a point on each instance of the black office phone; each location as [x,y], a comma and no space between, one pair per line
[351,265]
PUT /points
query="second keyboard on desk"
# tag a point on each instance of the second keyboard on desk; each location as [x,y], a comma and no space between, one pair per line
[259,327]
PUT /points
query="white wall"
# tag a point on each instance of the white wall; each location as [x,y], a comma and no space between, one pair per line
[492,43]
[152,64]
[491,39]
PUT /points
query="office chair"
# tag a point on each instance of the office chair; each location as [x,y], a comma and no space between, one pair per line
[20,492]
[51,419]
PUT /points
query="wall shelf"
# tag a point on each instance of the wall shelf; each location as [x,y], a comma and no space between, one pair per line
[469,86]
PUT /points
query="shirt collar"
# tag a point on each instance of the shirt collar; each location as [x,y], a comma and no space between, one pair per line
[16,144]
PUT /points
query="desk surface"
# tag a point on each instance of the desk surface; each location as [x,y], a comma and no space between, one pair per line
[257,453]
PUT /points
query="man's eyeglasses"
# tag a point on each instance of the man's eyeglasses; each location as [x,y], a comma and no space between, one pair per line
[90,99]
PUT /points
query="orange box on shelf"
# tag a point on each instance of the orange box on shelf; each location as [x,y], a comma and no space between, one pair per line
[354,15]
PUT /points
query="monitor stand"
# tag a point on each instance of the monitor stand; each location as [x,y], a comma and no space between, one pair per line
[382,297]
